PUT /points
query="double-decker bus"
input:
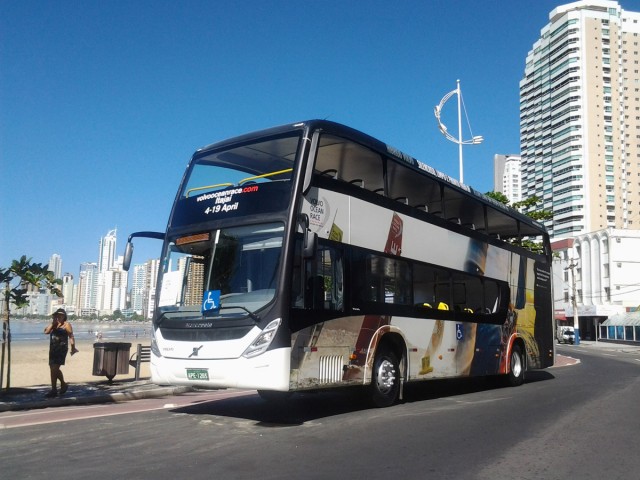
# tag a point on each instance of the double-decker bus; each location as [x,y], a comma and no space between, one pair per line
[312,256]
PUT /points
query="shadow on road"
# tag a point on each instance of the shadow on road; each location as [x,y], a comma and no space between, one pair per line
[296,410]
[424,391]
[304,407]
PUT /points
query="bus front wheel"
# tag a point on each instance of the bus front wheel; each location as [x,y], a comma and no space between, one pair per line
[385,381]
[515,376]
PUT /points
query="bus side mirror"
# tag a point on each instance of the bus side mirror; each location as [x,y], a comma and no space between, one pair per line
[128,253]
[128,250]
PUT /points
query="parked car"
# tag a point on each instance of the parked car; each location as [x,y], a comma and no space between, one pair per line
[565,335]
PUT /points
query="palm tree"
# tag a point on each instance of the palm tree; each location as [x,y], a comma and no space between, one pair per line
[16,279]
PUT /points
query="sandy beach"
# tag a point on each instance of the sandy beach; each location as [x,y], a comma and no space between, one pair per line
[30,364]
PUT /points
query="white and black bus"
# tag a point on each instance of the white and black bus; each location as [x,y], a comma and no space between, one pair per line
[313,256]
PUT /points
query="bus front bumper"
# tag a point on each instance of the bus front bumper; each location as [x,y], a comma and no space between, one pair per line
[268,371]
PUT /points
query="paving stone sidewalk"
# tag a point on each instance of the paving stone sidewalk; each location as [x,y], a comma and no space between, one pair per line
[85,393]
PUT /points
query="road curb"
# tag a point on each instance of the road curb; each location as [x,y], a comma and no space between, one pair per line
[564,361]
[154,393]
[115,397]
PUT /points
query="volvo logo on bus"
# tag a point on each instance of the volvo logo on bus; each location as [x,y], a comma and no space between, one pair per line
[195,351]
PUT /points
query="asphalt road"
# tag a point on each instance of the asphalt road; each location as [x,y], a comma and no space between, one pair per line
[578,421]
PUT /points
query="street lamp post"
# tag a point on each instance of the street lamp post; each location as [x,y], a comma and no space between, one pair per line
[574,302]
[443,129]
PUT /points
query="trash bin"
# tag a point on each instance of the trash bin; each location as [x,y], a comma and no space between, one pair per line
[111,358]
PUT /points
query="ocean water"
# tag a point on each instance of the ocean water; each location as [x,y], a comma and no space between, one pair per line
[32,331]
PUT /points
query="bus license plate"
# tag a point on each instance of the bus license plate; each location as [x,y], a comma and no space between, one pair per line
[197,374]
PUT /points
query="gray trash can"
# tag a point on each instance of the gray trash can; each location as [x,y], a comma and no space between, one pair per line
[110,359]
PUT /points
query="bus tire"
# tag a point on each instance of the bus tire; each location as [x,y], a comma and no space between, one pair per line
[515,377]
[385,378]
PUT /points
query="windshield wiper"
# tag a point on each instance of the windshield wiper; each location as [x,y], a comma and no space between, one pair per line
[253,316]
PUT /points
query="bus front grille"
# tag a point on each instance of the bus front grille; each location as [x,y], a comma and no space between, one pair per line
[331,368]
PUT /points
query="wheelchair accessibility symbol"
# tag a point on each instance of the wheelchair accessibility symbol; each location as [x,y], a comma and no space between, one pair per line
[459,332]
[211,301]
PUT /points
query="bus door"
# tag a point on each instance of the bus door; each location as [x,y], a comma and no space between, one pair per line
[320,342]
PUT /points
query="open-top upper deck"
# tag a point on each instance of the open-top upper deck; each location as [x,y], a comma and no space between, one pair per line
[343,154]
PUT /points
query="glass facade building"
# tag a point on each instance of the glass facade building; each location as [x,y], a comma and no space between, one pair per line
[580,118]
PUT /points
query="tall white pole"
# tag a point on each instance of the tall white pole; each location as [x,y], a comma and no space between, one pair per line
[573,263]
[460,132]
[576,319]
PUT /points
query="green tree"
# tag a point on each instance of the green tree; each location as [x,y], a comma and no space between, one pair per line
[530,207]
[499,196]
[15,280]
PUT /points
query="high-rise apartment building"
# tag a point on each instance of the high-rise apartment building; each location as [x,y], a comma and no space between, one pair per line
[111,290]
[67,289]
[87,289]
[107,257]
[580,118]
[111,294]
[152,267]
[55,265]
[506,176]
[139,283]
[194,289]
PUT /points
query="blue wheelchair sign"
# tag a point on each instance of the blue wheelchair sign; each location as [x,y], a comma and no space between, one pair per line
[211,301]
[459,332]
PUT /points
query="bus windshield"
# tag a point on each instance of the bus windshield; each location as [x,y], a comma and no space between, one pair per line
[245,165]
[238,266]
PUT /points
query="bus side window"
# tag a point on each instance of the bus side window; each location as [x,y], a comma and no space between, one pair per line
[468,293]
[324,280]
[297,288]
[430,286]
[491,297]
[407,187]
[314,292]
[346,160]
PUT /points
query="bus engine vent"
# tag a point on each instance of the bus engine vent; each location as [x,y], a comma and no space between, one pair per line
[331,368]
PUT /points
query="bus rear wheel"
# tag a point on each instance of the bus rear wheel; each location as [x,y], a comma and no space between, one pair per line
[515,377]
[385,380]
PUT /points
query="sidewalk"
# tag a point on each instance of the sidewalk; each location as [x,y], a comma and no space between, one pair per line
[605,345]
[567,360]
[85,393]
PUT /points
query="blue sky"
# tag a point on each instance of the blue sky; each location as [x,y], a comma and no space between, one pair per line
[103,103]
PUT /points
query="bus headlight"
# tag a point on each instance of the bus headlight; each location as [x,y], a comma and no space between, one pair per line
[154,346]
[262,342]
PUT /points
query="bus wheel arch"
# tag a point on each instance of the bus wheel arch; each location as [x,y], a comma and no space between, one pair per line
[517,363]
[387,376]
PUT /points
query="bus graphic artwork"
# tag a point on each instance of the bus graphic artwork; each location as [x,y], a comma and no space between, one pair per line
[312,256]
[394,240]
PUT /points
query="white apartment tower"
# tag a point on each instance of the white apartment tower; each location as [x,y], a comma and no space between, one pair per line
[107,258]
[580,118]
[152,267]
[67,289]
[55,265]
[87,288]
[138,287]
[506,176]
[111,290]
